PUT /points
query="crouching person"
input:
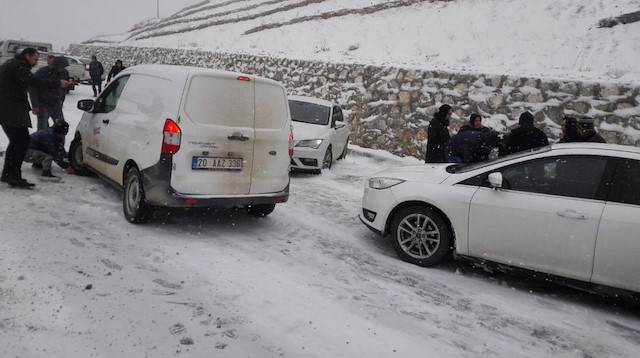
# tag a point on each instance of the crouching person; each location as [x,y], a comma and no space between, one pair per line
[46,146]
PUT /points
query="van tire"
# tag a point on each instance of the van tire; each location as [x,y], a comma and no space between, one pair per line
[261,210]
[76,160]
[134,204]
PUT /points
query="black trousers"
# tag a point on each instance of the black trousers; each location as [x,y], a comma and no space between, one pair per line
[16,150]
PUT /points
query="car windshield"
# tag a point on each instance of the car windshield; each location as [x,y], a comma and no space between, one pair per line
[462,168]
[309,112]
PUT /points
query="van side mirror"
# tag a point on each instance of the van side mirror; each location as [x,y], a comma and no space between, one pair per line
[495,179]
[340,124]
[86,105]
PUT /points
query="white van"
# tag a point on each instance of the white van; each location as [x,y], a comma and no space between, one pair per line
[177,136]
[9,48]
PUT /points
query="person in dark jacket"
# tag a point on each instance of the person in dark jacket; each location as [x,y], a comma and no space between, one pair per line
[569,130]
[47,145]
[475,124]
[438,135]
[526,136]
[95,72]
[47,102]
[471,146]
[587,131]
[115,69]
[15,79]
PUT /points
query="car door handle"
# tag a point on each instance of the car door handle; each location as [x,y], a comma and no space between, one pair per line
[105,121]
[572,214]
[237,136]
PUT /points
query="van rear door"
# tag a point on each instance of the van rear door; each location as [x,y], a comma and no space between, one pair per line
[272,127]
[217,141]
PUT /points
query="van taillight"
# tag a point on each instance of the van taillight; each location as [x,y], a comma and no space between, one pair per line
[244,78]
[291,144]
[171,137]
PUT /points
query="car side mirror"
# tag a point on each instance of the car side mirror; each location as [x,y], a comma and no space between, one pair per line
[495,179]
[340,124]
[86,105]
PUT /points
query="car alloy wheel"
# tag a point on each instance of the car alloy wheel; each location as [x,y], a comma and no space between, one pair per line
[328,158]
[420,236]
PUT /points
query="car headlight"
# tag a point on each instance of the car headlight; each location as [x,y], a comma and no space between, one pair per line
[383,183]
[311,143]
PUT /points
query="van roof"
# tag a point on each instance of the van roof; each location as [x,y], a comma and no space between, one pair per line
[175,72]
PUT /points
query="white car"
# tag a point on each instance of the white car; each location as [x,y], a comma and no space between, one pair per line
[320,133]
[176,136]
[78,68]
[567,210]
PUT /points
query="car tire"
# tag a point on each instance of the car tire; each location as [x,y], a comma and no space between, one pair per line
[327,159]
[344,151]
[421,236]
[134,204]
[76,160]
[261,210]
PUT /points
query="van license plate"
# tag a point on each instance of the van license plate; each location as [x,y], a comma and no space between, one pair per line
[216,163]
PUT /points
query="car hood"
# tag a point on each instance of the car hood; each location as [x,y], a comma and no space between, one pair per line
[303,131]
[424,173]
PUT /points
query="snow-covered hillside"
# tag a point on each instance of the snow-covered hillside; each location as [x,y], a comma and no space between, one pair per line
[543,38]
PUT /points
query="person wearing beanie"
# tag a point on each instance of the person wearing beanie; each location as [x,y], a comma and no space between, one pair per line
[115,69]
[46,146]
[587,131]
[47,102]
[438,135]
[526,136]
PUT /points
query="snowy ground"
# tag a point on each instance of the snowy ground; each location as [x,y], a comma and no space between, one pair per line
[76,280]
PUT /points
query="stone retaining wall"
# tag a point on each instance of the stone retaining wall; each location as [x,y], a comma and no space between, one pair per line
[389,108]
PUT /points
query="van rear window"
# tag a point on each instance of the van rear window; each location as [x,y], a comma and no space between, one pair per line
[221,101]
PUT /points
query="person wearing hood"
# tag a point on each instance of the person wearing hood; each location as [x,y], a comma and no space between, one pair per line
[15,80]
[46,146]
[115,69]
[47,102]
[526,136]
[475,124]
[438,135]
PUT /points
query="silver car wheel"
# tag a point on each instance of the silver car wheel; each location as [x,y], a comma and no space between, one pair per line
[418,236]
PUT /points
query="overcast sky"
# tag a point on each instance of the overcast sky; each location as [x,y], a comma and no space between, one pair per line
[72,21]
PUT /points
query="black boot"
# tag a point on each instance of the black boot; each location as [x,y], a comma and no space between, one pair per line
[20,183]
[47,173]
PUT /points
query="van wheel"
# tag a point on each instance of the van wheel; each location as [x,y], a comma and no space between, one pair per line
[421,236]
[134,204]
[261,210]
[76,158]
[328,158]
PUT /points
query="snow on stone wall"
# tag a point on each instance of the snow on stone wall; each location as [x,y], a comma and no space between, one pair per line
[390,108]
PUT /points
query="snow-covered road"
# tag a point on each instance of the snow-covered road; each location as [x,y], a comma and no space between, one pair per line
[77,280]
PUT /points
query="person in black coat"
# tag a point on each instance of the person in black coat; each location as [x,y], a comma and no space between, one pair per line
[471,146]
[15,79]
[115,69]
[475,124]
[526,136]
[95,72]
[47,102]
[438,135]
[47,145]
